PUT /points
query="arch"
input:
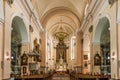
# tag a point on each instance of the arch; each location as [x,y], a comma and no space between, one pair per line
[19,37]
[101,40]
[19,23]
[100,27]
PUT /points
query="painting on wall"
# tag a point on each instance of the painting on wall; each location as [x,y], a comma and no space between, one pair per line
[97,60]
[24,59]
[85,57]
[85,64]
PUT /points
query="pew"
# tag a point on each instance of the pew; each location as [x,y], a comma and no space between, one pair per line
[87,77]
[35,77]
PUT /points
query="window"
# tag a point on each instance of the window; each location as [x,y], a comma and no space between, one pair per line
[48,50]
[73,44]
[1,11]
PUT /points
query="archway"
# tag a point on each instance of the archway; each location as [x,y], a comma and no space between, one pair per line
[18,37]
[102,40]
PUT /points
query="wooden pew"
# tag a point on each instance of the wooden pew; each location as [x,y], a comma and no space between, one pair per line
[35,77]
[86,77]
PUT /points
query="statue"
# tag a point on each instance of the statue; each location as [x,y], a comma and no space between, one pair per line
[36,48]
[60,55]
[61,66]
[61,59]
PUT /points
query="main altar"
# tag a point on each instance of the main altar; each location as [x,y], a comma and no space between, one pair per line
[61,62]
[61,65]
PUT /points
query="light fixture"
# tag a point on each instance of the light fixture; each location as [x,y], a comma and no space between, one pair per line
[113,56]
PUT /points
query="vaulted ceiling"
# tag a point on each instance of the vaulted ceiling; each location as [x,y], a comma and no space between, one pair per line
[60,15]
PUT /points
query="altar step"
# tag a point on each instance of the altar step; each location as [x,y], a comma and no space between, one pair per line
[61,77]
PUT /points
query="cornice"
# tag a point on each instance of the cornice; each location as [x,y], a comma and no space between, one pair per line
[34,14]
[86,18]
[93,9]
[26,4]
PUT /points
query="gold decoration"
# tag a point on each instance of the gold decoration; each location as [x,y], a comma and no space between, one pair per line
[61,35]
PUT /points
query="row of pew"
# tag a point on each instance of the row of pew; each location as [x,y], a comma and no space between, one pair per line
[35,77]
[87,77]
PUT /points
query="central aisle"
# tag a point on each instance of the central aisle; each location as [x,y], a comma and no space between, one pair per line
[61,76]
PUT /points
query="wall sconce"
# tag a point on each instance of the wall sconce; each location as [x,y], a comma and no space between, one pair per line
[7,56]
[52,58]
[89,62]
[46,63]
[112,59]
[113,56]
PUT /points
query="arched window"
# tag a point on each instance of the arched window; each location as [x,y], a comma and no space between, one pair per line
[73,44]
[1,11]
[118,16]
[48,50]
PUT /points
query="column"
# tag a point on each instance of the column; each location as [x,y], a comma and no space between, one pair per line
[1,37]
[79,56]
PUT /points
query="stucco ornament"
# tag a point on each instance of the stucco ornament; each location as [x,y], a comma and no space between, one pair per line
[10,1]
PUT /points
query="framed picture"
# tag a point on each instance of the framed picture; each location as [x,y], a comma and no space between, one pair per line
[85,57]
[97,60]
[24,59]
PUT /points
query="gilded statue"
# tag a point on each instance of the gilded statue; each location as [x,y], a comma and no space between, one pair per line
[36,46]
